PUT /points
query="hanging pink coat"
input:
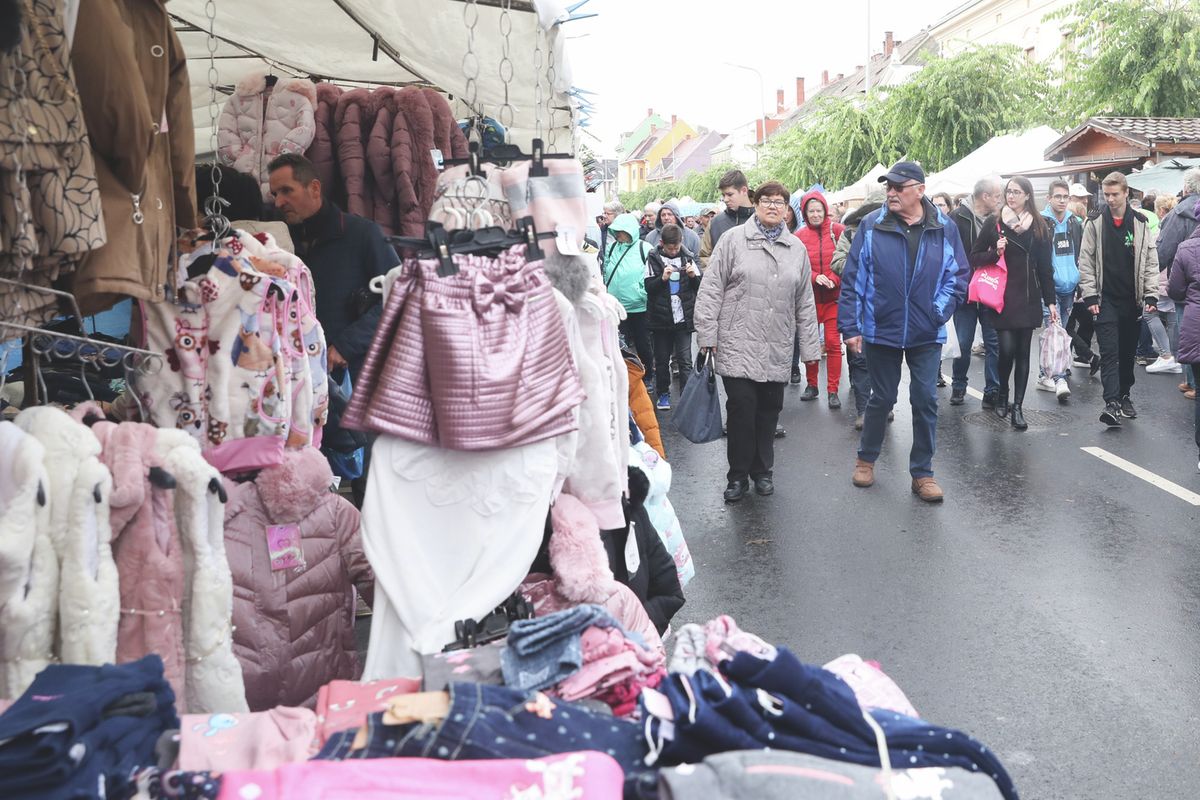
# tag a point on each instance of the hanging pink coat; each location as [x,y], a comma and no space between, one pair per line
[147,551]
[353,119]
[259,123]
[448,137]
[323,150]
[294,627]
[414,163]
[379,159]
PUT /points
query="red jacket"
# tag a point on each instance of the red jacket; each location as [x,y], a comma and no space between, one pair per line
[821,241]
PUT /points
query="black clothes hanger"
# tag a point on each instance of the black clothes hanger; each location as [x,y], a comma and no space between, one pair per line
[442,244]
[161,478]
[502,154]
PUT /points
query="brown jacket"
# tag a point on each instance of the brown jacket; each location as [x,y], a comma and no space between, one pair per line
[132,76]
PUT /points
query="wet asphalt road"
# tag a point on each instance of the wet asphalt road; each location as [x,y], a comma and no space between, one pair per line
[1050,607]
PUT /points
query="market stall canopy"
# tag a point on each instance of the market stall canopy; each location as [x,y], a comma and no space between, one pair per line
[859,189]
[1166,177]
[1006,155]
[372,42]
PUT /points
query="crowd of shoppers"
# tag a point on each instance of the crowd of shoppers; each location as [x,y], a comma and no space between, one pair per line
[772,280]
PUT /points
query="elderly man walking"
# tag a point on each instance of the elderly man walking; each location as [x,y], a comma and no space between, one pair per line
[905,277]
[756,292]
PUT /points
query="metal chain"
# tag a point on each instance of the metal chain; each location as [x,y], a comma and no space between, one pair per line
[538,96]
[214,206]
[470,62]
[506,65]
[550,76]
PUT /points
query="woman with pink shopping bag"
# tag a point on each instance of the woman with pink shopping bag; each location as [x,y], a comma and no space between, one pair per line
[1018,240]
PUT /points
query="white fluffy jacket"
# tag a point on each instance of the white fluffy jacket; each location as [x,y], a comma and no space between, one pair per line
[258,123]
[213,674]
[28,566]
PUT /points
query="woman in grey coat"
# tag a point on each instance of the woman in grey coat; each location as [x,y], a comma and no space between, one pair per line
[756,294]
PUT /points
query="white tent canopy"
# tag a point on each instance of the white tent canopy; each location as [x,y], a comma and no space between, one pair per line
[1010,154]
[371,42]
[859,189]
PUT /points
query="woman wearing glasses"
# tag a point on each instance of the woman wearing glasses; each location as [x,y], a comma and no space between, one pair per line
[756,292]
[1020,234]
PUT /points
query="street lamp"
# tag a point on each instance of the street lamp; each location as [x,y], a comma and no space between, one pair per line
[762,91]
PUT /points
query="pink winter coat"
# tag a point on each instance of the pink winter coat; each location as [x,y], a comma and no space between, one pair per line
[147,551]
[259,123]
[323,152]
[420,174]
[388,124]
[353,120]
[447,136]
[582,575]
[294,627]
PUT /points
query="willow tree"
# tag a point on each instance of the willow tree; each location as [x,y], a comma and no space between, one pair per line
[833,145]
[1136,58]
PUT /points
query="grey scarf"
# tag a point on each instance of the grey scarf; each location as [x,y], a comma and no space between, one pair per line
[772,234]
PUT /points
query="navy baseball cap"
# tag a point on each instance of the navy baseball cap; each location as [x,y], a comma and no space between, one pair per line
[903,172]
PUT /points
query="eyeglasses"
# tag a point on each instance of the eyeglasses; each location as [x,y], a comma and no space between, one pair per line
[900,187]
[1014,192]
[772,203]
[1060,197]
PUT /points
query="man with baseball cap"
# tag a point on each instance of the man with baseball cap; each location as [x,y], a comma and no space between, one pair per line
[905,276]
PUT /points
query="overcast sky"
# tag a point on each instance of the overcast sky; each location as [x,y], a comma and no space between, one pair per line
[668,54]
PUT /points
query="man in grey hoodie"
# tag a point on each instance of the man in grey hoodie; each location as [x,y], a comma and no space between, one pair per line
[670,214]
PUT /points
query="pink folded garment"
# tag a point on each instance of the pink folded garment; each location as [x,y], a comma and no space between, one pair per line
[580,776]
[347,704]
[871,685]
[261,740]
[724,639]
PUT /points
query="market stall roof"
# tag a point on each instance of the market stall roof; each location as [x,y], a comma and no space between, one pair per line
[1009,154]
[372,42]
[1165,177]
[860,188]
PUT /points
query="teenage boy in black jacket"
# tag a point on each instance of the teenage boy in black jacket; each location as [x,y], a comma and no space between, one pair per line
[672,280]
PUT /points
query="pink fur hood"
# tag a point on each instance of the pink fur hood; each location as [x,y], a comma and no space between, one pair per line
[295,488]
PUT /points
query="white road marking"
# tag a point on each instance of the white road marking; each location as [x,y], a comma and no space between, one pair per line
[1145,474]
[978,395]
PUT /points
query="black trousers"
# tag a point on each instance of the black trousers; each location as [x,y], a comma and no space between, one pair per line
[1118,327]
[637,333]
[1081,327]
[1014,362]
[752,411]
[677,342]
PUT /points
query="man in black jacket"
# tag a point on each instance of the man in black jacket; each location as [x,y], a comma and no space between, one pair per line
[672,281]
[343,252]
[735,191]
[986,199]
[1176,227]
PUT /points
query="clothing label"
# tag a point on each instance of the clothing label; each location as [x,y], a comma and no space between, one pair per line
[633,559]
[283,543]
[1062,244]
[567,242]
[438,160]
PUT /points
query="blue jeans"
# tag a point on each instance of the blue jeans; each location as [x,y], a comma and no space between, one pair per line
[883,364]
[1065,303]
[965,319]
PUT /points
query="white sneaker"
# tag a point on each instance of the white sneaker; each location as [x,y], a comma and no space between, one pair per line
[978,349]
[1062,390]
[1165,364]
[1046,384]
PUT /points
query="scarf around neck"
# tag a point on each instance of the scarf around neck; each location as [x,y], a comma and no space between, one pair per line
[772,234]
[1018,222]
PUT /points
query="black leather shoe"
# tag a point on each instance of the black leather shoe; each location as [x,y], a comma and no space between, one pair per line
[1018,417]
[835,401]
[764,487]
[989,400]
[941,381]
[809,393]
[958,397]
[1002,405]
[736,490]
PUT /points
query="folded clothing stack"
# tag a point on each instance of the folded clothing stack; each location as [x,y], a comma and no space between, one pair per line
[615,670]
[546,650]
[82,731]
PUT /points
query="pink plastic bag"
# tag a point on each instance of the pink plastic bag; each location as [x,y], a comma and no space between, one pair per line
[988,284]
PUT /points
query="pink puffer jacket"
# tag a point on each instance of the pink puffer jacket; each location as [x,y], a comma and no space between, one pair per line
[353,119]
[294,627]
[322,152]
[582,575]
[147,551]
[416,176]
[448,137]
[379,158]
[259,123]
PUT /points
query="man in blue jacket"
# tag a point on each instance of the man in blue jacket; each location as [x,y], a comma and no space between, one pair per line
[905,276]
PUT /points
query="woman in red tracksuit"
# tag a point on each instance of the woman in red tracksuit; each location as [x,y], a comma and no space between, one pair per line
[820,235]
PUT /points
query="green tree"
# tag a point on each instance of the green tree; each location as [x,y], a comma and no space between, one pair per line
[835,146]
[954,105]
[1135,58]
